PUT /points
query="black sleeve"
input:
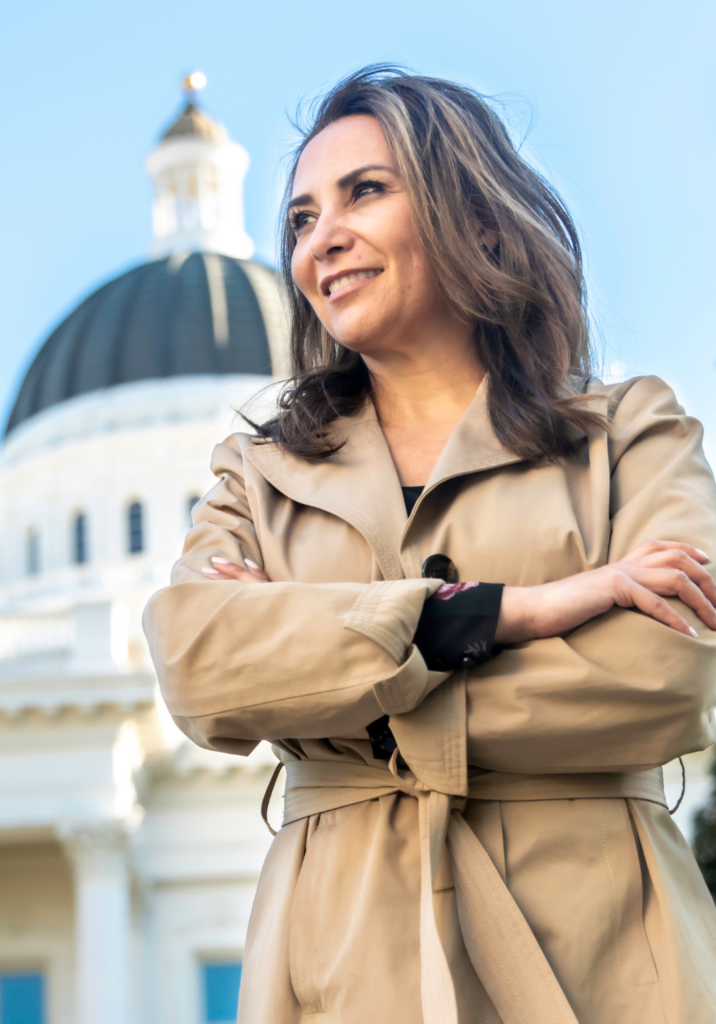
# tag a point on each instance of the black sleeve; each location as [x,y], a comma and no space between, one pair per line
[453,633]
[460,631]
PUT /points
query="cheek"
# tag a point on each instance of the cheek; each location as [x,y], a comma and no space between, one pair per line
[301,267]
[402,241]
[417,281]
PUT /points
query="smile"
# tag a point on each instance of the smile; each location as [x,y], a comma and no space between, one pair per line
[351,278]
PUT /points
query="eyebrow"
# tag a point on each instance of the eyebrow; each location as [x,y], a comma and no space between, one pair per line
[343,183]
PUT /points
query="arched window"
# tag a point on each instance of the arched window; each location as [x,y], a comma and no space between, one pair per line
[190,503]
[32,552]
[79,539]
[135,528]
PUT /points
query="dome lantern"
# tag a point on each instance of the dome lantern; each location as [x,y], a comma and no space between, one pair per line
[198,174]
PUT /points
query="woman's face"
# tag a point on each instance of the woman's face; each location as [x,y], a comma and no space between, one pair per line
[358,259]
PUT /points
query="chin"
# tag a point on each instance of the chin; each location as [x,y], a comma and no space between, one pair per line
[361,345]
[363,337]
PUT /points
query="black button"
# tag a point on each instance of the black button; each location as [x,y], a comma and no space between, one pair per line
[439,567]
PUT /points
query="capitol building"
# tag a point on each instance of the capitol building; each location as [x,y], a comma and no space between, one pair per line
[128,856]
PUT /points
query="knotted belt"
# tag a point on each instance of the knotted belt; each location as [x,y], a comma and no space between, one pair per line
[504,952]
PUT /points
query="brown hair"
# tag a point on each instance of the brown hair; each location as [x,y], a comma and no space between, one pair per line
[525,297]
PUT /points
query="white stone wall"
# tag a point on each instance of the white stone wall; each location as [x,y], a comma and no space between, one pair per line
[126,854]
[150,441]
[200,849]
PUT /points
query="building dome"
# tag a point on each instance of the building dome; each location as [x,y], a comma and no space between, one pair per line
[203,313]
[195,122]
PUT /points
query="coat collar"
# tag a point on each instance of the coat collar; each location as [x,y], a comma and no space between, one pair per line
[360,484]
[473,445]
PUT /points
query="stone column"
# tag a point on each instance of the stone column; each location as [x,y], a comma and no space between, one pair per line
[103,988]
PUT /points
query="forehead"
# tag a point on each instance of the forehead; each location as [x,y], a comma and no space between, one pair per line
[339,149]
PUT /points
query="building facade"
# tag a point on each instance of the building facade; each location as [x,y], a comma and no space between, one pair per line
[128,856]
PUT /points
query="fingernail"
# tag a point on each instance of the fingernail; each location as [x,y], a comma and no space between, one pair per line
[223,561]
[693,632]
[702,553]
[210,572]
[252,564]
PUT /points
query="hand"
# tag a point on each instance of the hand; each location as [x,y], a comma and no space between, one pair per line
[643,579]
[225,570]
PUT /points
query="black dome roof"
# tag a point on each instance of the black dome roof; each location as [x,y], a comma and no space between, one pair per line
[183,315]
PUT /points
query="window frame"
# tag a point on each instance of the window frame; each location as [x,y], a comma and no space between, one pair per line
[135,515]
[33,561]
[80,547]
[192,499]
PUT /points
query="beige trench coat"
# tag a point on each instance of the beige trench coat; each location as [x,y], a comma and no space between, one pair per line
[567,894]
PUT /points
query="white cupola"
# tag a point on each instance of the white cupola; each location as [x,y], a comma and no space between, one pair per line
[198,175]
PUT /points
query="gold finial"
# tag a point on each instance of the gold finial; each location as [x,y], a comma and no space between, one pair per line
[194,82]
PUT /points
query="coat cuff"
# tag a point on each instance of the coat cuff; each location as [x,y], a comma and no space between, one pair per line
[409,686]
[388,612]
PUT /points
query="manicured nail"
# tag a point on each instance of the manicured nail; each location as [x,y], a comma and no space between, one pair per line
[702,553]
[693,632]
[253,565]
[210,572]
[223,561]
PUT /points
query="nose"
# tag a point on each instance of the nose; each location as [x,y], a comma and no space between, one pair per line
[329,236]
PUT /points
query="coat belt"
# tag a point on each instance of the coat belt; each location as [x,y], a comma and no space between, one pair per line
[499,941]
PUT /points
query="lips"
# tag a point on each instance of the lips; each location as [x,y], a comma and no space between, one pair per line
[334,284]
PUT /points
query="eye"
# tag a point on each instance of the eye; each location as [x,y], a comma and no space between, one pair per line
[366,188]
[299,219]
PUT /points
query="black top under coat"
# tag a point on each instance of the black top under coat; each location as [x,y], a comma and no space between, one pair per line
[456,633]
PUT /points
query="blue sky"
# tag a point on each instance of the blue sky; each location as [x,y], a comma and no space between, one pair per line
[617,101]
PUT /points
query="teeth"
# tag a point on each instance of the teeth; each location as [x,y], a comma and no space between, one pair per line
[341,282]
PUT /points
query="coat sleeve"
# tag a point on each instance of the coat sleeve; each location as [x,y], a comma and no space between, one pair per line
[622,692]
[241,662]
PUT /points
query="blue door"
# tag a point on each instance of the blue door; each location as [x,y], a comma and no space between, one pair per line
[221,990]
[22,997]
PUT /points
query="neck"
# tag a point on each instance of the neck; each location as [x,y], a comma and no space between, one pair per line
[430,384]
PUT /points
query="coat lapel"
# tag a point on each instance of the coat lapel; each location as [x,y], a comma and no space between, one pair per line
[472,446]
[359,485]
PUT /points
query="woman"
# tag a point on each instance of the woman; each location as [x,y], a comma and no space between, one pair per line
[475,827]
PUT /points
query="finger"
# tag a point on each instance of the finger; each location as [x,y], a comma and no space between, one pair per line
[681,560]
[651,547]
[230,568]
[224,565]
[230,571]
[225,574]
[257,570]
[675,583]
[636,596]
[227,568]
[213,574]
